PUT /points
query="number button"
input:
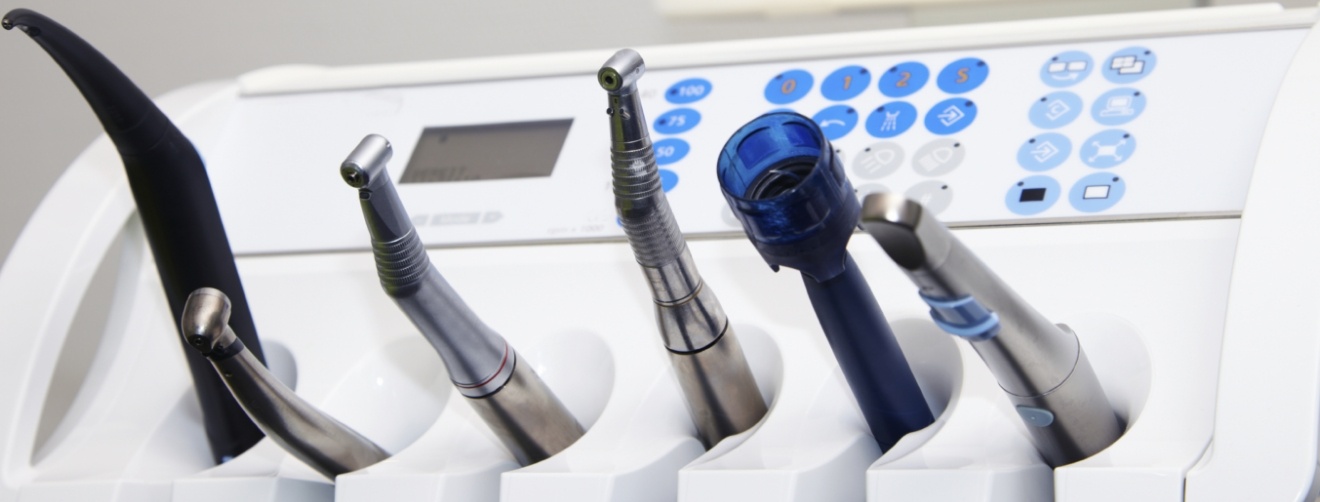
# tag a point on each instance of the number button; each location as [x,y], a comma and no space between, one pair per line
[677,121]
[845,83]
[788,87]
[688,91]
[963,75]
[904,79]
[670,150]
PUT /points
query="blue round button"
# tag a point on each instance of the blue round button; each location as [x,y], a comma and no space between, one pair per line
[1108,148]
[1097,192]
[950,116]
[963,75]
[1066,69]
[670,150]
[1128,65]
[836,121]
[1056,109]
[668,180]
[904,79]
[1118,106]
[788,87]
[688,91]
[845,83]
[677,121]
[1032,195]
[1044,152]
[891,119]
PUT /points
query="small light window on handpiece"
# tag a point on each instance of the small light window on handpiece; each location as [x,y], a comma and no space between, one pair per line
[780,179]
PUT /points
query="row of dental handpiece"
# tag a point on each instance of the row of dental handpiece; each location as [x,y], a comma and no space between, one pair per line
[780,176]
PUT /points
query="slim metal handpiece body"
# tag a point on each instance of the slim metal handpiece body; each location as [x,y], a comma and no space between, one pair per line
[503,388]
[712,370]
[1039,364]
[178,210]
[783,181]
[317,439]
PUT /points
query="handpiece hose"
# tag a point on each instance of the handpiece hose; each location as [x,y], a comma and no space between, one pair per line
[528,418]
[784,183]
[712,370]
[178,210]
[316,438]
[1040,365]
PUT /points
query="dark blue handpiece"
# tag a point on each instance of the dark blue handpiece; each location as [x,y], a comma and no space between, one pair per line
[783,181]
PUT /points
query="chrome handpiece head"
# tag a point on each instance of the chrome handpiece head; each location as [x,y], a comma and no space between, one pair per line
[323,443]
[1039,364]
[522,411]
[712,370]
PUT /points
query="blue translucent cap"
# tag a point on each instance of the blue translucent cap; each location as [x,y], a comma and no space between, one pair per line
[786,186]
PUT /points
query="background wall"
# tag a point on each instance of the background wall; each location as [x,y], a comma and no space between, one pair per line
[163,45]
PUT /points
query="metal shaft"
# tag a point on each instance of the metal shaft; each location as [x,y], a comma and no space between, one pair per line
[307,433]
[1040,365]
[531,422]
[712,370]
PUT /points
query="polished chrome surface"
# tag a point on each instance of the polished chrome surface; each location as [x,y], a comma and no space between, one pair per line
[476,357]
[1032,359]
[720,380]
[307,433]
[716,379]
[527,417]
[480,362]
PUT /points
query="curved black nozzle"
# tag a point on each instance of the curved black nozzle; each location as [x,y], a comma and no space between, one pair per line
[173,196]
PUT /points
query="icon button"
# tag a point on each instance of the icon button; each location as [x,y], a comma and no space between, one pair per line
[963,75]
[1107,149]
[688,91]
[1055,109]
[1129,65]
[1097,192]
[788,87]
[845,83]
[1118,106]
[670,150]
[1044,152]
[891,119]
[1032,195]
[836,121]
[951,116]
[904,79]
[677,121]
[934,196]
[878,160]
[1066,69]
[938,157]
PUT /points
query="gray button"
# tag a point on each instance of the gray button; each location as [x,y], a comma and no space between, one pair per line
[939,157]
[878,160]
[868,189]
[935,196]
[1035,417]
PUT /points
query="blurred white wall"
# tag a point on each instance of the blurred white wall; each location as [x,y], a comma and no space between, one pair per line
[163,45]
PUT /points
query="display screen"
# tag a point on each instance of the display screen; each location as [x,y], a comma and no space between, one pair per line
[487,152]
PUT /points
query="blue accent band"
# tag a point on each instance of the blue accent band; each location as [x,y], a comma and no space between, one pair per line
[963,317]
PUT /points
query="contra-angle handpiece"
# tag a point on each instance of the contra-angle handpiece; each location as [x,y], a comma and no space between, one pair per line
[1040,365]
[721,393]
[784,183]
[317,439]
[178,210]
[504,389]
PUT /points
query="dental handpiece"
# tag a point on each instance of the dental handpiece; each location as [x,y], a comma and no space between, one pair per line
[178,210]
[503,388]
[783,181]
[316,438]
[1041,366]
[712,370]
